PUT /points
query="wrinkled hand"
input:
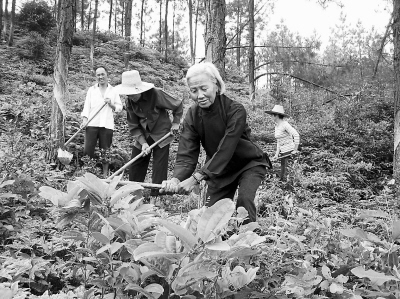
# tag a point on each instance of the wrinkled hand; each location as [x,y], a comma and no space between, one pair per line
[274,158]
[145,149]
[175,128]
[187,186]
[170,186]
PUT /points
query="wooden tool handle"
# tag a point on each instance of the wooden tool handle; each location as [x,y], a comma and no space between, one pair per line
[144,185]
[138,156]
[80,129]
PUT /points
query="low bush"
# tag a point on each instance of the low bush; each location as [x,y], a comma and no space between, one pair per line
[37,16]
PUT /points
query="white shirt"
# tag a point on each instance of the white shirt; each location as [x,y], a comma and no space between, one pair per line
[286,136]
[94,101]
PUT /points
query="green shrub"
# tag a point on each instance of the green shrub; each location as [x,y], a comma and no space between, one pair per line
[81,38]
[36,44]
[36,16]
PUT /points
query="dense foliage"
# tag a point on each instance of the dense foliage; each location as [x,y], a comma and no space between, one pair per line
[36,16]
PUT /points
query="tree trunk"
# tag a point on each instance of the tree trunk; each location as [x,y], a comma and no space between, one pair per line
[63,54]
[173,27]
[128,19]
[396,65]
[238,36]
[191,31]
[142,25]
[109,18]
[251,53]
[115,16]
[195,30]
[122,18]
[82,15]
[11,35]
[166,31]
[58,10]
[74,12]
[160,30]
[1,17]
[5,26]
[96,6]
[89,15]
[214,37]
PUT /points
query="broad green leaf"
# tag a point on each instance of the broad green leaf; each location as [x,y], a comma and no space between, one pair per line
[221,246]
[93,184]
[6,183]
[100,238]
[74,235]
[51,194]
[396,230]
[326,272]
[143,249]
[107,231]
[119,224]
[160,239]
[252,273]
[154,289]
[215,218]
[102,249]
[110,190]
[124,191]
[375,277]
[74,203]
[170,244]
[336,288]
[373,213]
[6,293]
[115,247]
[354,233]
[183,234]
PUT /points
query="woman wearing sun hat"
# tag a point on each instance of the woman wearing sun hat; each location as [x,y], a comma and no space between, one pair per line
[148,122]
[288,139]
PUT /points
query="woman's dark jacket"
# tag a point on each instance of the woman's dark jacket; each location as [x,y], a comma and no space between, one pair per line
[224,134]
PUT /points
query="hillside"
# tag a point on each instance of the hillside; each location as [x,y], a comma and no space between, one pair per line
[334,216]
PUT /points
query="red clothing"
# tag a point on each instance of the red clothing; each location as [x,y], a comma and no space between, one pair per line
[224,134]
[148,116]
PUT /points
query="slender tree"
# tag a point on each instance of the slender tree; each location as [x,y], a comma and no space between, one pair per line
[195,28]
[396,65]
[173,26]
[1,17]
[96,6]
[190,8]
[5,25]
[12,21]
[82,14]
[74,12]
[160,29]
[115,16]
[60,77]
[128,19]
[166,31]
[214,37]
[89,15]
[251,53]
[110,15]
[142,24]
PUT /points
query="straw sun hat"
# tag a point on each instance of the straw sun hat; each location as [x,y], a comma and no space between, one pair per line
[278,109]
[132,84]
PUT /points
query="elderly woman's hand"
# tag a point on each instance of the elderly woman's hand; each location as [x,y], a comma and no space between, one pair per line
[187,185]
[170,186]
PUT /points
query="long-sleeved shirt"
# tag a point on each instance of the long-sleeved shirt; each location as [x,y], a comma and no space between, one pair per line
[148,116]
[223,132]
[286,136]
[94,101]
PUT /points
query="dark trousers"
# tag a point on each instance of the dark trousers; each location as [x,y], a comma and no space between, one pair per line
[248,182]
[138,169]
[92,134]
[284,165]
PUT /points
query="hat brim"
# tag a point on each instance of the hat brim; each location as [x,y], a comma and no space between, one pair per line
[277,113]
[127,90]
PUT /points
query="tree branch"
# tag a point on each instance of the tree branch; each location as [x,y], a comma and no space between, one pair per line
[298,61]
[303,80]
[383,43]
[268,46]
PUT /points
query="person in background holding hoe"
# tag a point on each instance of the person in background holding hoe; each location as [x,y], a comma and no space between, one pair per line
[219,124]
[288,139]
[101,127]
[149,121]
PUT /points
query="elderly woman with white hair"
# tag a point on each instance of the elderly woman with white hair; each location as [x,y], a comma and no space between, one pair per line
[219,124]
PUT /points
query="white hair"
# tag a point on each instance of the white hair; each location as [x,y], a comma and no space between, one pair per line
[209,69]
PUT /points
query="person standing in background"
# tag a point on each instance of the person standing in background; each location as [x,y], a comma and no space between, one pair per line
[101,127]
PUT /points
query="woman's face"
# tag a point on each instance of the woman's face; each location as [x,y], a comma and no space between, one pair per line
[203,90]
